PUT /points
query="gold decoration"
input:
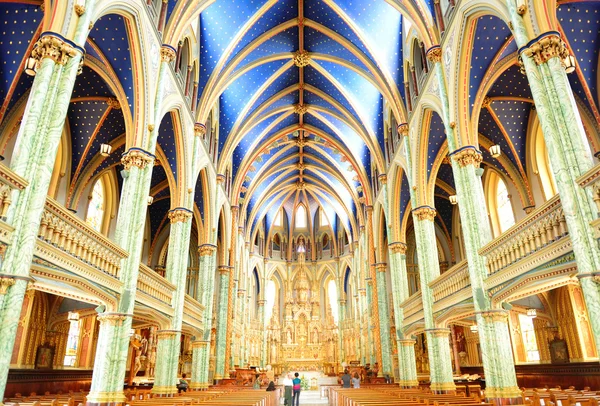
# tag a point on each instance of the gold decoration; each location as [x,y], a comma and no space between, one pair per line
[5,283]
[486,102]
[425,213]
[113,103]
[112,319]
[301,58]
[403,129]
[79,9]
[407,342]
[434,54]
[179,215]
[492,316]
[546,48]
[383,178]
[300,108]
[167,334]
[137,158]
[381,267]
[438,332]
[300,185]
[523,8]
[397,248]
[207,250]
[220,179]
[167,54]
[199,130]
[55,48]
[224,269]
[150,127]
[468,156]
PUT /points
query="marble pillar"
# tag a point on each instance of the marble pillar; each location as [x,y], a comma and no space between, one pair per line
[222,310]
[231,287]
[58,61]
[169,342]
[438,344]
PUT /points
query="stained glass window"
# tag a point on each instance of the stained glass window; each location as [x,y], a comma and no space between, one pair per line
[506,216]
[95,212]
[529,342]
[333,299]
[300,217]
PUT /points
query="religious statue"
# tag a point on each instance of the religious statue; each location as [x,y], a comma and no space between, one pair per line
[315,337]
[137,362]
[273,351]
[289,337]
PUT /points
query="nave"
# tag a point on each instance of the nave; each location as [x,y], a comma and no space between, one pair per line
[198,197]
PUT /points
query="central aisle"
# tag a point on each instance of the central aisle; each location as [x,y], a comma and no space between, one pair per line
[311,397]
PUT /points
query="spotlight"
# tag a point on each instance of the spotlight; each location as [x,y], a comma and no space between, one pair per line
[105,149]
[453,199]
[31,66]
[495,151]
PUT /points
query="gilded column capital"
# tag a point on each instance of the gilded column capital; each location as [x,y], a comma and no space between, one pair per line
[398,247]
[56,47]
[207,249]
[261,302]
[403,129]
[468,155]
[5,283]
[424,213]
[434,54]
[407,342]
[241,292]
[497,315]
[224,269]
[369,208]
[301,58]
[381,266]
[137,157]
[438,332]
[179,215]
[199,344]
[362,291]
[383,178]
[199,130]
[220,178]
[545,47]
[167,334]
[167,53]
[234,209]
[113,319]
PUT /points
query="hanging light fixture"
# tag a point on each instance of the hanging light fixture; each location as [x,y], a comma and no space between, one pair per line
[73,316]
[473,328]
[569,63]
[453,199]
[31,66]
[531,312]
[105,149]
[150,200]
[495,151]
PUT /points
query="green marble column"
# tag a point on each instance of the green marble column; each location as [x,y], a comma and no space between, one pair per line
[541,59]
[438,344]
[222,301]
[406,350]
[58,61]
[384,319]
[261,318]
[200,373]
[111,357]
[501,382]
[169,341]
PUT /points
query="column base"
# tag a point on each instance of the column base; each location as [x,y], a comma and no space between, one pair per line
[503,396]
[194,386]
[443,387]
[164,391]
[106,399]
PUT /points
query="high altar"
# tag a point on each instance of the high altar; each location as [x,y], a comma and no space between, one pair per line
[303,340]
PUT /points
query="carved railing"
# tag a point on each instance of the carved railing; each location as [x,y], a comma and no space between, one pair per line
[413,308]
[9,181]
[546,225]
[154,285]
[451,282]
[63,230]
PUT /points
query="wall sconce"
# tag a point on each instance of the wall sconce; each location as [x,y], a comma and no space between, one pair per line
[532,312]
[79,7]
[150,200]
[473,328]
[73,316]
[31,66]
[105,149]
[453,199]
[495,151]
[569,63]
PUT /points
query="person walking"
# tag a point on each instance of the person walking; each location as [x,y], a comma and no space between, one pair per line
[346,378]
[296,388]
[287,389]
[356,381]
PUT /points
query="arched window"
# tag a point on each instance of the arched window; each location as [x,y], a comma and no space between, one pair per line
[270,296]
[529,341]
[542,165]
[506,215]
[300,217]
[333,299]
[96,207]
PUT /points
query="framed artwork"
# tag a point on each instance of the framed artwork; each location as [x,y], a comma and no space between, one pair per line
[559,353]
[44,357]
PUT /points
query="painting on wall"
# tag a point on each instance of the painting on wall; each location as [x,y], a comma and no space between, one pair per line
[559,353]
[44,357]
